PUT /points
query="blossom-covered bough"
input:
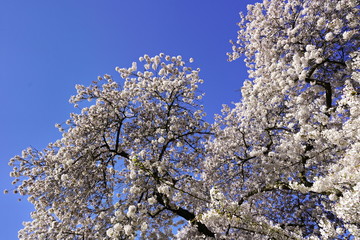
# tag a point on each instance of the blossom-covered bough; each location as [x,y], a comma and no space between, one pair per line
[141,162]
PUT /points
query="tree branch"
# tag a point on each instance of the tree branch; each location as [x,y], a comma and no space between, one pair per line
[186,215]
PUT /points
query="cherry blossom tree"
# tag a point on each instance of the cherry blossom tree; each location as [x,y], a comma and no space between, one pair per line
[140,161]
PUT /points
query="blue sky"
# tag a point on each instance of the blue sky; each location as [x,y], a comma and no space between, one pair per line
[48,46]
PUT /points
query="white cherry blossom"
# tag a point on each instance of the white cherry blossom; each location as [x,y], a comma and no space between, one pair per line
[139,161]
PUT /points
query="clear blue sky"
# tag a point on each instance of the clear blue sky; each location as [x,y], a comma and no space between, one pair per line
[48,46]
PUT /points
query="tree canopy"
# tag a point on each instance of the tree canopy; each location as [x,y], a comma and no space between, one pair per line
[140,161]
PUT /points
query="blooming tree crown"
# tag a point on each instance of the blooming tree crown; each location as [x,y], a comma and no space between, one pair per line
[283,163]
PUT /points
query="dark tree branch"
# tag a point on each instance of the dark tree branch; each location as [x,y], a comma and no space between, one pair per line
[182,212]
